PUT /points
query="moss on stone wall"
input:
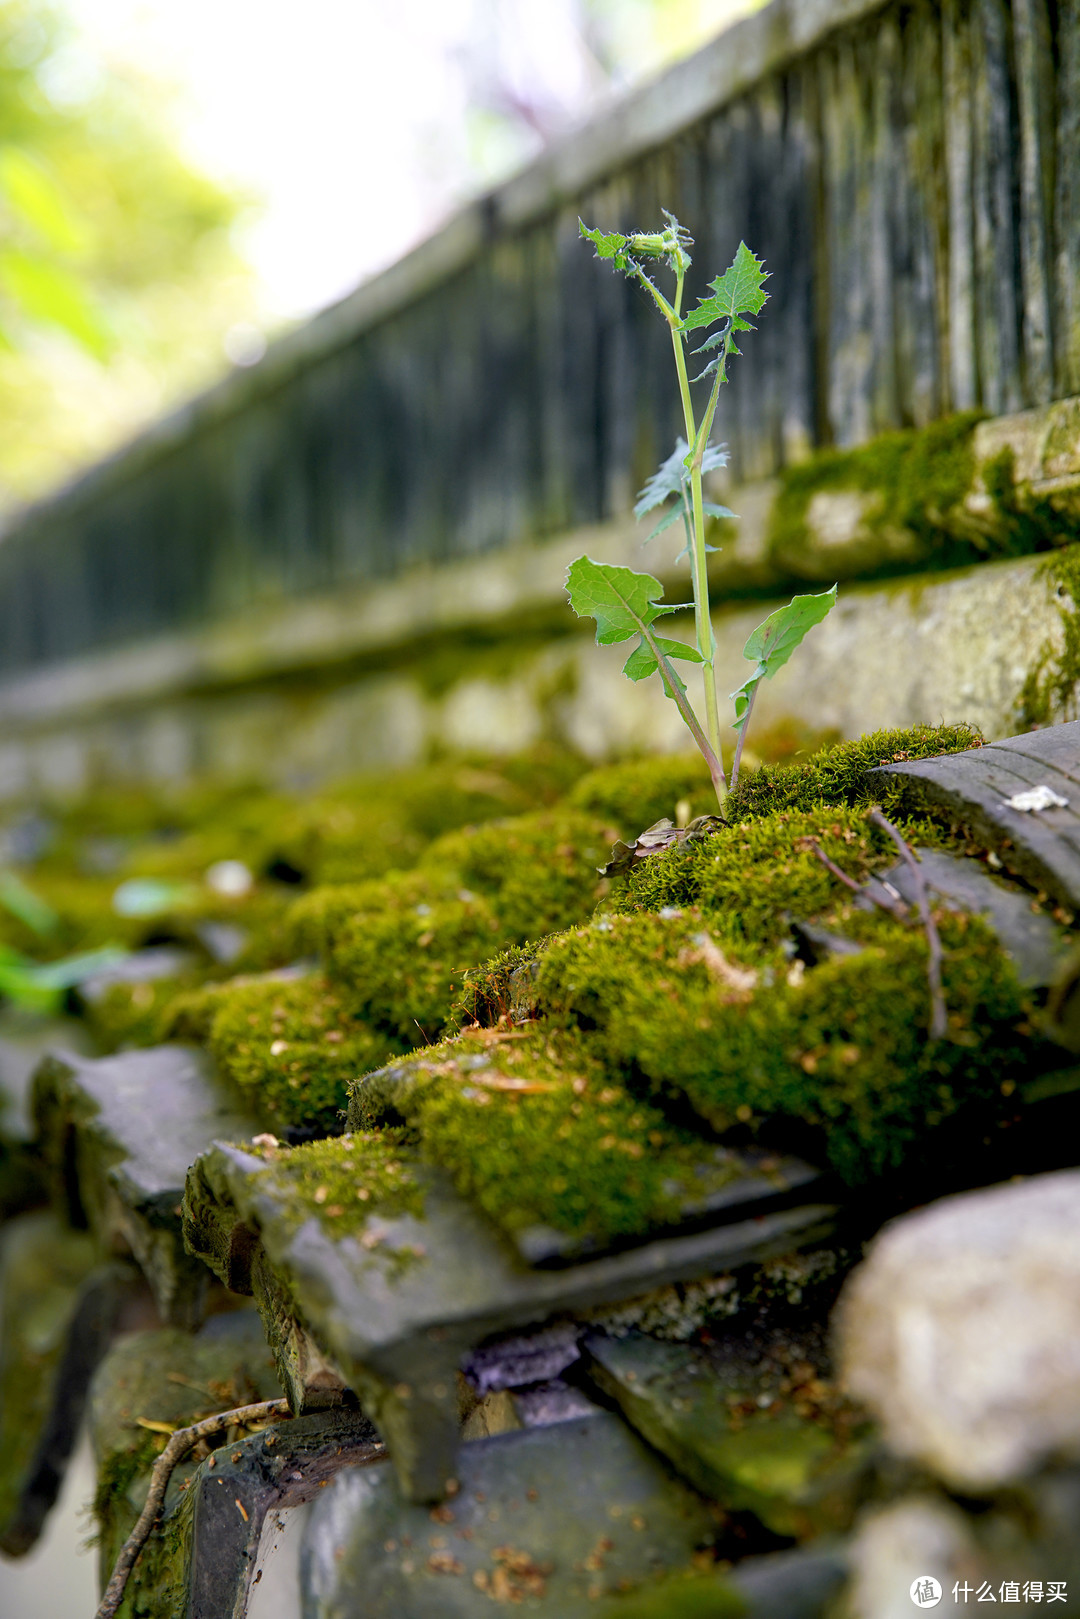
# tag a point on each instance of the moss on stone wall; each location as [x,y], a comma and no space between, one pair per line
[841,1048]
[633,795]
[289,1046]
[534,1129]
[343,1181]
[837,774]
[909,487]
[748,880]
[1050,687]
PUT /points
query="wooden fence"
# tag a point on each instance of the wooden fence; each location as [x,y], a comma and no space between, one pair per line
[911,174]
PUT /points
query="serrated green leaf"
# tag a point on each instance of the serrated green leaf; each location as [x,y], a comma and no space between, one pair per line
[738,292]
[669,517]
[621,601]
[710,370]
[642,661]
[714,339]
[711,509]
[667,480]
[608,244]
[770,646]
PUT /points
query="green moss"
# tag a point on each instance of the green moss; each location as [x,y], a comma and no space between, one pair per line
[291,1047]
[127,1015]
[1049,690]
[748,880]
[685,1594]
[837,775]
[377,824]
[538,872]
[841,1047]
[631,796]
[916,481]
[343,1181]
[498,989]
[399,948]
[535,1131]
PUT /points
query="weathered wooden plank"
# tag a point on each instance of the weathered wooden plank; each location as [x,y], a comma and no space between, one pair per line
[879,59]
[920,260]
[1035,100]
[798,316]
[959,163]
[1067,200]
[998,298]
[847,187]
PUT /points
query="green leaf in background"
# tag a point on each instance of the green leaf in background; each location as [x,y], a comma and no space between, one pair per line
[33,196]
[30,908]
[40,987]
[738,292]
[642,661]
[72,970]
[621,601]
[668,480]
[775,639]
[48,292]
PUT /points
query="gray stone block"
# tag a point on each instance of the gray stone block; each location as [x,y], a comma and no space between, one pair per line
[553,1519]
[396,1306]
[120,1134]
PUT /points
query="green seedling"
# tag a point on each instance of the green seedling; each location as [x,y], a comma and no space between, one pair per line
[626,604]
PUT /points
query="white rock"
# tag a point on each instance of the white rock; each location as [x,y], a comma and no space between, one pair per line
[961,1331]
[1036,798]
[906,1542]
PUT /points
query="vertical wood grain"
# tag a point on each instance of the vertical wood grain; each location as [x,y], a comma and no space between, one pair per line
[959,167]
[1035,100]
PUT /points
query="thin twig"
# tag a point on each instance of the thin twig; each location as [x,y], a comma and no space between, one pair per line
[176,1449]
[939,1022]
[895,907]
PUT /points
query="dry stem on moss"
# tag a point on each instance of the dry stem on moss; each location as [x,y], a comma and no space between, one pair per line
[938,1018]
[177,1448]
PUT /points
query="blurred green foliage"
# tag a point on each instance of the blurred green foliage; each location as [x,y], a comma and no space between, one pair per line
[118,274]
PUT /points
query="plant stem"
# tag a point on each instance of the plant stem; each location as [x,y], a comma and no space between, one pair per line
[742,738]
[677,691]
[706,641]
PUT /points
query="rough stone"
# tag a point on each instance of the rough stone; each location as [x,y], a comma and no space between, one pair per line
[398,1306]
[1035,942]
[734,1431]
[799,1584]
[24,1041]
[1044,847]
[57,1307]
[961,1331]
[1019,1537]
[158,1379]
[551,1518]
[120,1134]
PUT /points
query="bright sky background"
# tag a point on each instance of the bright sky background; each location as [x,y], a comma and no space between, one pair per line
[349,120]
